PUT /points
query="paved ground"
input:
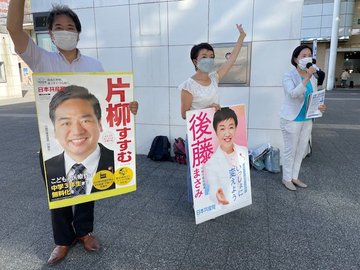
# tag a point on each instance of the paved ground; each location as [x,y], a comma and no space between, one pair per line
[154,228]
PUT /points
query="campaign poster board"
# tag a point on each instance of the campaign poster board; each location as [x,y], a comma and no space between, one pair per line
[219,161]
[73,130]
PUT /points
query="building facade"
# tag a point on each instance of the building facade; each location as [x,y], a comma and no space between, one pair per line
[316,24]
[15,76]
[10,85]
[153,39]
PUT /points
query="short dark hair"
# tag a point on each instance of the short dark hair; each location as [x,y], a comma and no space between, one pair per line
[73,92]
[62,10]
[194,53]
[296,53]
[224,114]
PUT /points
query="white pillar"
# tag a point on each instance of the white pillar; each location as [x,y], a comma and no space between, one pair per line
[333,46]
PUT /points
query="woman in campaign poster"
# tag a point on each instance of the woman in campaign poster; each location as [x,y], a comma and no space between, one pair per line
[224,172]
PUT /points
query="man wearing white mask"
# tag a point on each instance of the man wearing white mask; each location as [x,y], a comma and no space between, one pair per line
[64,29]
[69,225]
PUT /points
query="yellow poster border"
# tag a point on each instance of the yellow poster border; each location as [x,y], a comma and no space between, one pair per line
[91,197]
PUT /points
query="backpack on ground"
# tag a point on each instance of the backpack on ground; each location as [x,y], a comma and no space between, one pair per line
[179,150]
[160,149]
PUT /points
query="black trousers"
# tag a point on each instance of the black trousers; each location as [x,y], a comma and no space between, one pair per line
[68,223]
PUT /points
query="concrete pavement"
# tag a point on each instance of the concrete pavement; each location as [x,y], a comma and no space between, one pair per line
[154,227]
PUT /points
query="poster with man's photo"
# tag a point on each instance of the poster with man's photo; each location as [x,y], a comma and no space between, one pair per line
[87,135]
[219,161]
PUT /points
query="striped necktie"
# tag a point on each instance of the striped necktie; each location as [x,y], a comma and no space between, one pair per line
[78,184]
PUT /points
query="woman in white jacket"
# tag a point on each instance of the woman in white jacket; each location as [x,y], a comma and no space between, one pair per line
[298,84]
[227,173]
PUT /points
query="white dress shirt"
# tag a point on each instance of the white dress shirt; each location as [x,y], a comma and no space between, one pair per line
[41,60]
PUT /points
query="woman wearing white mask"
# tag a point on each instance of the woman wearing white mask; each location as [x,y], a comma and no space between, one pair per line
[200,91]
[298,84]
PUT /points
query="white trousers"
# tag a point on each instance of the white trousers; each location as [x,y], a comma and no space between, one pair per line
[296,138]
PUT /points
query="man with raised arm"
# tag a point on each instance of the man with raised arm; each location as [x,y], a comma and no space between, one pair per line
[70,224]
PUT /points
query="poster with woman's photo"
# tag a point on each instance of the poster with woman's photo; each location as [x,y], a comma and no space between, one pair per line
[219,161]
[87,135]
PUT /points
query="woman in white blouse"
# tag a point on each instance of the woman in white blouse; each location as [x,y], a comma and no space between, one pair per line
[200,91]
